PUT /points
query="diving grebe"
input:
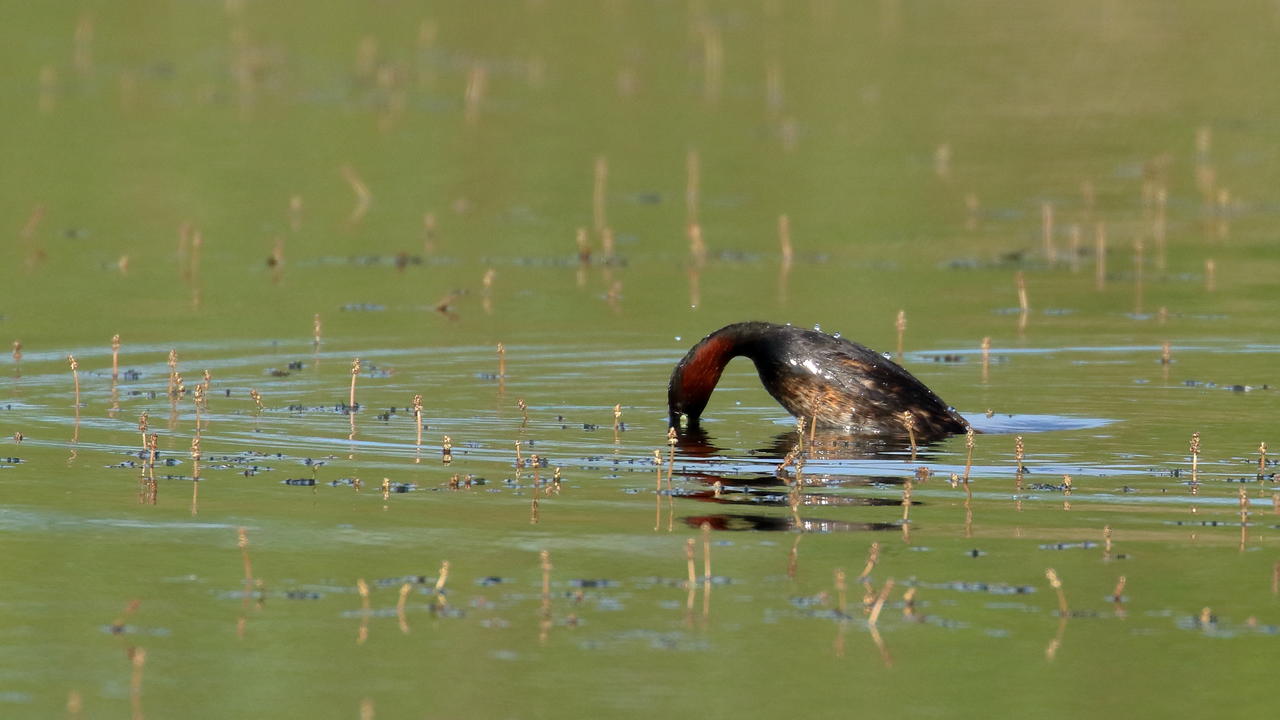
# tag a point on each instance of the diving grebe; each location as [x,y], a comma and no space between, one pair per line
[830,380]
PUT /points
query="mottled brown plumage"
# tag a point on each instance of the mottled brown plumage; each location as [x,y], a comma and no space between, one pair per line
[835,382]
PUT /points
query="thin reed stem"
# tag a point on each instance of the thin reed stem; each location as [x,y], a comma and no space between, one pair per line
[75,376]
[1056,583]
[874,617]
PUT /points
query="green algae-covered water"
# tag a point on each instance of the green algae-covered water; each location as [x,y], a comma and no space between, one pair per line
[268,191]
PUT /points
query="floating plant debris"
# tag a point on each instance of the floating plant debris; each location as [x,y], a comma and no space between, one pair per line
[810,601]
[590,583]
[410,579]
[1205,523]
[1086,545]
[338,408]
[135,630]
[979,587]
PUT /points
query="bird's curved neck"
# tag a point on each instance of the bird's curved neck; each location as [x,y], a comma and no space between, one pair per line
[700,370]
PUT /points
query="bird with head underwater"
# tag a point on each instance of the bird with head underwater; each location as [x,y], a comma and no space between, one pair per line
[835,383]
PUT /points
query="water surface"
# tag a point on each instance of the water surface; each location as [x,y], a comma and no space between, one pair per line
[914,150]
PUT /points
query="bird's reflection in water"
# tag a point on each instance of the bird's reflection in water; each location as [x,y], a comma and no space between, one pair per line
[696,443]
[732,521]
[779,489]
